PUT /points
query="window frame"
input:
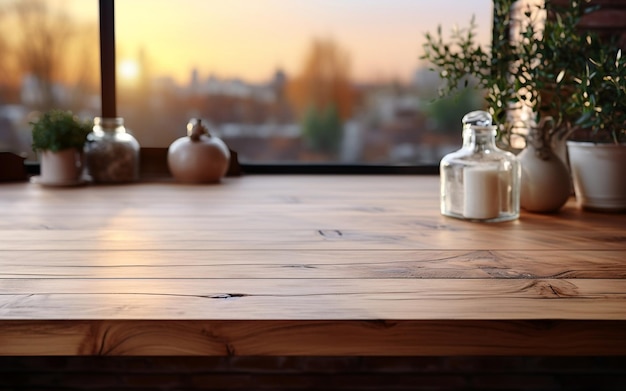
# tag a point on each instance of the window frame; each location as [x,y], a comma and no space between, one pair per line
[109,104]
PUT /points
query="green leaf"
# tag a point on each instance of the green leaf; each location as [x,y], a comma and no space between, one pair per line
[56,130]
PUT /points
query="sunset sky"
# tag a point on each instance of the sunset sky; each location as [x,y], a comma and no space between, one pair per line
[251,38]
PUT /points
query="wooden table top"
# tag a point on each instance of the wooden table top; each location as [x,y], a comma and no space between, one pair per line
[305,265]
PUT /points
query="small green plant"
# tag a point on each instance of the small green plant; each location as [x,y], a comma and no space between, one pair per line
[56,130]
[463,63]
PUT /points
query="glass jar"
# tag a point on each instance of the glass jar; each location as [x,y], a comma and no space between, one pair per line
[111,153]
[480,182]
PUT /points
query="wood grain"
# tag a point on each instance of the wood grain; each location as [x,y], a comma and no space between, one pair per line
[328,265]
[312,337]
[266,299]
[312,264]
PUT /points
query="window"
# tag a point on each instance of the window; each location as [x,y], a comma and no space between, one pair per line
[292,80]
[285,81]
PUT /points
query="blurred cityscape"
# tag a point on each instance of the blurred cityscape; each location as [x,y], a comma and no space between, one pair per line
[318,114]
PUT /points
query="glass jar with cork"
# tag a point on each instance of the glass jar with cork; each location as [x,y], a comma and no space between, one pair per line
[112,153]
[480,182]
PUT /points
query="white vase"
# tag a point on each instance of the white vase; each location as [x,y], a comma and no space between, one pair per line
[545,185]
[599,175]
[61,168]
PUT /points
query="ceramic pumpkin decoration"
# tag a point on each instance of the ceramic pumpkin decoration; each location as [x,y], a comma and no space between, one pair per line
[199,157]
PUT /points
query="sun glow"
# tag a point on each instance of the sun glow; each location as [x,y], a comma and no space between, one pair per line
[129,70]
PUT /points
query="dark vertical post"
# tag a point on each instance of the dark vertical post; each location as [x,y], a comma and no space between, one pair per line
[107,58]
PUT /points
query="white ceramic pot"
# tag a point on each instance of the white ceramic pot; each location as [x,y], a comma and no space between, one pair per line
[64,167]
[545,185]
[198,158]
[599,174]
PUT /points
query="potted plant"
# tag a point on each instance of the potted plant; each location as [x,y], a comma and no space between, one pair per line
[597,149]
[59,138]
[532,75]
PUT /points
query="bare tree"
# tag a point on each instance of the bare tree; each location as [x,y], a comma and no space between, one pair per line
[5,81]
[324,80]
[323,96]
[42,36]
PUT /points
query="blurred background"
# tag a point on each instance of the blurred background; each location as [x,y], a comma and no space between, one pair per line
[280,81]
